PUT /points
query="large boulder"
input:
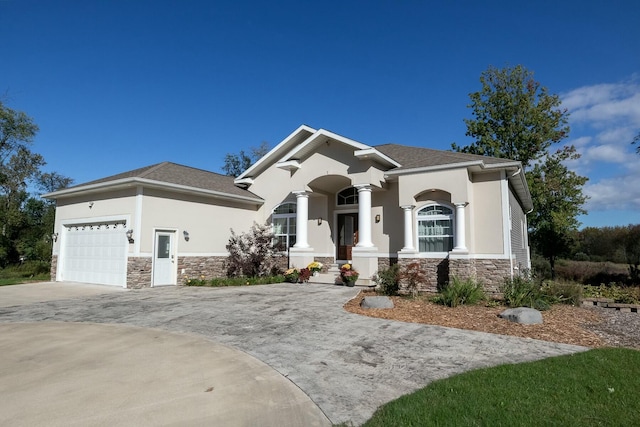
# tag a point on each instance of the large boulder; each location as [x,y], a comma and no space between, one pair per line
[376,302]
[524,315]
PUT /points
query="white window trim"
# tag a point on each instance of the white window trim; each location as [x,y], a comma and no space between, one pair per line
[346,205]
[288,216]
[417,229]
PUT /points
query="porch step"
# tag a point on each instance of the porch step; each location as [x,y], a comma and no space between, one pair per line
[333,278]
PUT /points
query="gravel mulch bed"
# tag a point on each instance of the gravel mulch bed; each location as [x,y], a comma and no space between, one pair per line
[585,326]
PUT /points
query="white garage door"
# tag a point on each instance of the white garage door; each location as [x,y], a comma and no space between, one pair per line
[95,253]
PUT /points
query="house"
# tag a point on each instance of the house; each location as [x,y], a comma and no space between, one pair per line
[329,198]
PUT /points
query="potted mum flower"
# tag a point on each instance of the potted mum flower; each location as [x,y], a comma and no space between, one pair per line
[348,275]
[315,267]
[291,275]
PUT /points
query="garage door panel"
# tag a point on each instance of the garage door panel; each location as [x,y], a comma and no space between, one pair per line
[96,253]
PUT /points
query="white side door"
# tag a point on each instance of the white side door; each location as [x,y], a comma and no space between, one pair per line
[164,259]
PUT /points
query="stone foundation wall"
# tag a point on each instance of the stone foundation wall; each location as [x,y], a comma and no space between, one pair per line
[385,263]
[196,266]
[435,270]
[139,272]
[491,272]
[54,267]
[438,272]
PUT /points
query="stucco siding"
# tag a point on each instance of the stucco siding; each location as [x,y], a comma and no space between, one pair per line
[486,211]
[208,221]
[452,181]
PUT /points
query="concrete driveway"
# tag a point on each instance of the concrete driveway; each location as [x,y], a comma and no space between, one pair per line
[347,364]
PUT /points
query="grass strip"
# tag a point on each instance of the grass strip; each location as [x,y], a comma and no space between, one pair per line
[598,387]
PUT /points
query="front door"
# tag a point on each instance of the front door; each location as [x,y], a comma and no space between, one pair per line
[347,235]
[164,259]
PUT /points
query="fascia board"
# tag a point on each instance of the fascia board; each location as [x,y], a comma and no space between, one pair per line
[519,182]
[291,153]
[436,168]
[378,155]
[323,133]
[148,183]
[274,150]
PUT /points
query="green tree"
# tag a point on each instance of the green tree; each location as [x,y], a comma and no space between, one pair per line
[25,221]
[515,117]
[558,199]
[632,252]
[235,164]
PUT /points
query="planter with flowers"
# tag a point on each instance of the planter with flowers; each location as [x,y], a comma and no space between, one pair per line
[294,275]
[348,275]
[315,267]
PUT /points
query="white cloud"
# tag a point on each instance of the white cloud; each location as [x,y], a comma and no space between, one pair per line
[602,104]
[581,141]
[606,153]
[616,193]
[604,119]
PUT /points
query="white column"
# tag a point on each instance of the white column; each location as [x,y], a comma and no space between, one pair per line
[460,244]
[364,216]
[408,228]
[302,219]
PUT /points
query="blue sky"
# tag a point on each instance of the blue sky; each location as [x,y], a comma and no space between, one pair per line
[116,85]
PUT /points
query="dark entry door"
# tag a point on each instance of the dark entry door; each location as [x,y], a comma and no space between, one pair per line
[347,234]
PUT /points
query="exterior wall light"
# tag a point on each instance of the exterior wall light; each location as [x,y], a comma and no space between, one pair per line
[54,237]
[130,235]
[186,235]
[377,218]
[319,221]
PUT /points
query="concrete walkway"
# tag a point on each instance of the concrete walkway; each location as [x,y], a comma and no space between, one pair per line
[347,364]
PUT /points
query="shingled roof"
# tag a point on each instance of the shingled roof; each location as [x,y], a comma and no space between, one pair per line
[168,173]
[419,157]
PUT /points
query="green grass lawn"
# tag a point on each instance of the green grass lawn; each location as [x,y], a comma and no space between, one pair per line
[596,388]
[18,280]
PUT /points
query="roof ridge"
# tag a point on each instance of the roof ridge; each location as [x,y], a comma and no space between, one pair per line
[152,168]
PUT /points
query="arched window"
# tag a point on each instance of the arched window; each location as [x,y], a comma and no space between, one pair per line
[284,225]
[435,229]
[348,196]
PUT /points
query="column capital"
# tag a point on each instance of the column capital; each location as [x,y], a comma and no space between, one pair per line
[461,204]
[407,207]
[362,187]
[301,193]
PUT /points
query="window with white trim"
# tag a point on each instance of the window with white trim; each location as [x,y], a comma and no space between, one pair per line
[435,228]
[348,196]
[284,225]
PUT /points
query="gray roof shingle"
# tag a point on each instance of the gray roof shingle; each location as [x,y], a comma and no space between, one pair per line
[419,157]
[181,175]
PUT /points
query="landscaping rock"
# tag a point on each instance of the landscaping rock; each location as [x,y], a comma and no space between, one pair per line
[524,315]
[376,302]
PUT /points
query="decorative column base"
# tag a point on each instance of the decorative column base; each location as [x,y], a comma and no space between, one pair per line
[300,257]
[365,261]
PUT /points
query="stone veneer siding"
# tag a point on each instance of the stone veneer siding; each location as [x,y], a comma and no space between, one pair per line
[139,272]
[438,272]
[435,270]
[54,267]
[196,266]
[385,263]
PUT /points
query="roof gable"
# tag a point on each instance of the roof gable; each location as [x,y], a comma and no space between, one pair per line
[302,143]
